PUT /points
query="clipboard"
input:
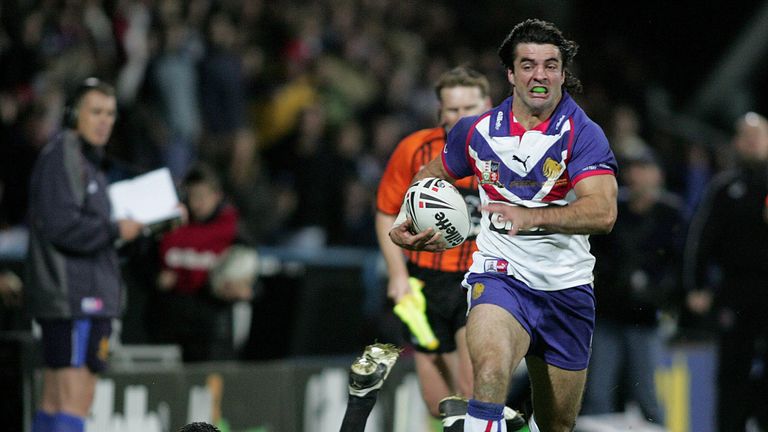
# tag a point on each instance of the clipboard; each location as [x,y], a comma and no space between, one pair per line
[149,198]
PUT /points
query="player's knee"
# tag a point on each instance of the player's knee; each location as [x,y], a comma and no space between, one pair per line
[488,367]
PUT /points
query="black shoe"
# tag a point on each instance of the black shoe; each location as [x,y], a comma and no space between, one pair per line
[453,409]
[513,419]
[368,372]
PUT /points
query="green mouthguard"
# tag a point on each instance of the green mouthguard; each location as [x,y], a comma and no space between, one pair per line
[539,90]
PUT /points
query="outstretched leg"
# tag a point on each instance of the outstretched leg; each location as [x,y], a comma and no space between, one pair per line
[366,377]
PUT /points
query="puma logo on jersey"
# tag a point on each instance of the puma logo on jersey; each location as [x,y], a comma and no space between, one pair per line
[523,162]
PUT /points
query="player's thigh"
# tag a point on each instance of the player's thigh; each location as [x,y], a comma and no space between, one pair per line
[556,394]
[497,342]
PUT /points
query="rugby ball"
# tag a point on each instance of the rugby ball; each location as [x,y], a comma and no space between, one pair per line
[435,203]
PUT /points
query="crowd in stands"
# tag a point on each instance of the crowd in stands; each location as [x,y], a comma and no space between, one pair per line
[298,104]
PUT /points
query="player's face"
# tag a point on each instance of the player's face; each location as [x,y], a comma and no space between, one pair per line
[96,117]
[202,200]
[458,102]
[537,77]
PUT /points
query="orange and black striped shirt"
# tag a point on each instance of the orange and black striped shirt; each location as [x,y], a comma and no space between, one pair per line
[412,153]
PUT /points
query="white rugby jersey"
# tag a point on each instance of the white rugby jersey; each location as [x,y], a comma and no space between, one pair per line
[533,168]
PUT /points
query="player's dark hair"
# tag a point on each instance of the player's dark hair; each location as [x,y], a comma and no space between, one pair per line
[462,76]
[199,427]
[541,32]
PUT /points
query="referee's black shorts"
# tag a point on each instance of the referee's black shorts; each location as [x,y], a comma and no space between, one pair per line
[446,307]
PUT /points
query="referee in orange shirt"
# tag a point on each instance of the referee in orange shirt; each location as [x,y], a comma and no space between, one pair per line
[445,370]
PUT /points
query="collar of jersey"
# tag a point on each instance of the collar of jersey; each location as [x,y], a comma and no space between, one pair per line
[510,127]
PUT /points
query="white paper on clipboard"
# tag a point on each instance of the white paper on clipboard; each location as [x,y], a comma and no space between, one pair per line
[148,198]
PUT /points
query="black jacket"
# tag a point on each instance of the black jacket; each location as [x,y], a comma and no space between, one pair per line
[638,269]
[72,266]
[727,246]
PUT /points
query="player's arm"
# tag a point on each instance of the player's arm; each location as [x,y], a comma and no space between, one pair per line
[593,212]
[434,168]
[397,285]
[427,240]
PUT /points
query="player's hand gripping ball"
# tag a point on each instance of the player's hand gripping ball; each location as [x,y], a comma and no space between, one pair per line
[435,203]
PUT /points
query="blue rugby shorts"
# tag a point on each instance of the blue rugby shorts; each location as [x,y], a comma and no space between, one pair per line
[560,323]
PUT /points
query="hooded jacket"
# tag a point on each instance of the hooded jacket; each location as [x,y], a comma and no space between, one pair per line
[72,266]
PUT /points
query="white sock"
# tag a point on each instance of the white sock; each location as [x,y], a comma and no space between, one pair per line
[484,417]
[472,424]
[532,425]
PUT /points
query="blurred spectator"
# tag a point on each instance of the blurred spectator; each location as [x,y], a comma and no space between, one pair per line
[698,172]
[187,310]
[307,162]
[725,273]
[278,116]
[387,131]
[637,278]
[132,27]
[350,147]
[176,82]
[357,211]
[264,207]
[18,151]
[358,215]
[222,89]
[20,54]
[100,34]
[625,136]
